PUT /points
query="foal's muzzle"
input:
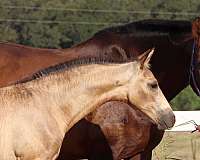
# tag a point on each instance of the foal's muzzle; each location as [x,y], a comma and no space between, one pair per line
[167,121]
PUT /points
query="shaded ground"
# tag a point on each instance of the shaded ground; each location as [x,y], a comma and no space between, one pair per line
[178,146]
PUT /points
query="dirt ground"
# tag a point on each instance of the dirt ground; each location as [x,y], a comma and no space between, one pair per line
[178,146]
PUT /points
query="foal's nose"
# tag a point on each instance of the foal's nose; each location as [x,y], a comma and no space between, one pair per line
[167,121]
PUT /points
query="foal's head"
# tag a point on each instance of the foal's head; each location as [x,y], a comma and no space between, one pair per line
[146,95]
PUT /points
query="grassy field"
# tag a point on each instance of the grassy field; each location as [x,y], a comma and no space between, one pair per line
[178,146]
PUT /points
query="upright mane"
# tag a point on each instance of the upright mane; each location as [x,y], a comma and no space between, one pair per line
[66,66]
[146,27]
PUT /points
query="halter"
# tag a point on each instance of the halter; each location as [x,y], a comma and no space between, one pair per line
[193,66]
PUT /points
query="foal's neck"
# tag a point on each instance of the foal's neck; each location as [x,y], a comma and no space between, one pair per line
[77,92]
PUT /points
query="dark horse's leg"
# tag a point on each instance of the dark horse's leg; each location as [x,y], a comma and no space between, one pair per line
[85,140]
[146,155]
[155,138]
[99,147]
[136,157]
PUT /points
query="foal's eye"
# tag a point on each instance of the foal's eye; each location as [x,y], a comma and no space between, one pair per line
[153,85]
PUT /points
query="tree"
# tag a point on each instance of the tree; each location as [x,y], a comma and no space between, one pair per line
[186,100]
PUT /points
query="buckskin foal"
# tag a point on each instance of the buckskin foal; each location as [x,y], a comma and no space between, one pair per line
[35,116]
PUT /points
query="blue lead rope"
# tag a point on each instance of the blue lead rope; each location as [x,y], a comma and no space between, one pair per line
[192,69]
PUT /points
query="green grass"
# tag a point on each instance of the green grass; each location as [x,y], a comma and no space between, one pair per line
[178,146]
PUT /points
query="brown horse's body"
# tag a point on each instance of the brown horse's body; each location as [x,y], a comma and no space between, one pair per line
[15,57]
[172,59]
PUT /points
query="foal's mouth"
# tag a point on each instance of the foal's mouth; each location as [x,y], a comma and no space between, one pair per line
[166,121]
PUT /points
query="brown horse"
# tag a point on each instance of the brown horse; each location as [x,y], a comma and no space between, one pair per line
[35,116]
[117,43]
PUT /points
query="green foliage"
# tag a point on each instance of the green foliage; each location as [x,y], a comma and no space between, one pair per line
[62,23]
[186,100]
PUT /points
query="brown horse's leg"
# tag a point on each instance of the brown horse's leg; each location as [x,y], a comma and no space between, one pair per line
[99,147]
[136,157]
[155,138]
[146,155]
[141,156]
[85,140]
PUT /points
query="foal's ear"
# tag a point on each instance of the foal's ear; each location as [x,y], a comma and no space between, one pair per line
[145,58]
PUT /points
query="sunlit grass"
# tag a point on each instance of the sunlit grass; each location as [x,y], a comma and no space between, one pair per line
[178,146]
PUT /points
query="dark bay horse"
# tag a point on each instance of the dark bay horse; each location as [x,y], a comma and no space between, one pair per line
[174,48]
[173,42]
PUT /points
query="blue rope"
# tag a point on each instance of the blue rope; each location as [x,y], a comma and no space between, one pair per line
[192,64]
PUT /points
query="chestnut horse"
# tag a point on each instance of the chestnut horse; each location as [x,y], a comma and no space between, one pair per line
[173,42]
